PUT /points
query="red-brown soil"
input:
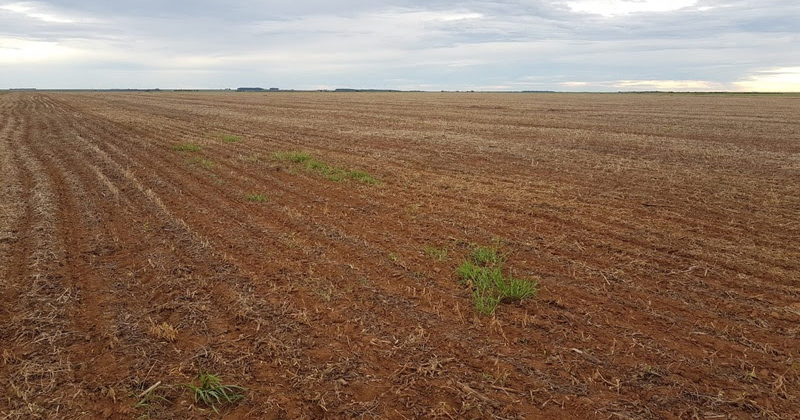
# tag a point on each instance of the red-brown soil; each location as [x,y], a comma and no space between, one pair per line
[663,230]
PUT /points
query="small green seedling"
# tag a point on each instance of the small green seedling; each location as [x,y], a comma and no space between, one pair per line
[150,399]
[257,198]
[294,157]
[205,163]
[186,147]
[229,138]
[211,391]
[438,254]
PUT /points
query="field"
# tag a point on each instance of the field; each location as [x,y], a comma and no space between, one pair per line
[305,247]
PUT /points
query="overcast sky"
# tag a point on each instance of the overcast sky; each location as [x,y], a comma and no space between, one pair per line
[571,45]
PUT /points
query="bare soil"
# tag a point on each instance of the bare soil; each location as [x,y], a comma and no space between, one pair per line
[663,230]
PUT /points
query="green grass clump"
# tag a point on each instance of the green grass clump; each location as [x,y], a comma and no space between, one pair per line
[150,401]
[329,172]
[186,147]
[484,255]
[362,177]
[257,198]
[205,163]
[229,138]
[483,273]
[438,254]
[294,157]
[211,391]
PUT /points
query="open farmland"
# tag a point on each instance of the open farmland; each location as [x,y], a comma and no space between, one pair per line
[145,237]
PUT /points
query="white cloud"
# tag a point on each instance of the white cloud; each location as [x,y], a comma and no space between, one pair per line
[623,7]
[454,17]
[668,85]
[32,10]
[492,88]
[17,51]
[781,79]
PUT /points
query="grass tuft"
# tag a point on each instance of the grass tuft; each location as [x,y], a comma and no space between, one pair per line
[257,198]
[187,147]
[438,254]
[211,391]
[362,177]
[229,138]
[483,273]
[514,290]
[151,400]
[332,173]
[485,255]
[294,157]
[486,304]
[205,163]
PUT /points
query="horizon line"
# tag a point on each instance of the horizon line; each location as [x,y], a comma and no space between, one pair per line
[376,90]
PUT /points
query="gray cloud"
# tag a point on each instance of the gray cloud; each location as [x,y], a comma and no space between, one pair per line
[395,44]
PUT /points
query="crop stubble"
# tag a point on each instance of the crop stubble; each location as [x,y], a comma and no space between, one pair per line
[663,228]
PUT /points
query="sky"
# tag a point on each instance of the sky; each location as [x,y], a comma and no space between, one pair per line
[571,45]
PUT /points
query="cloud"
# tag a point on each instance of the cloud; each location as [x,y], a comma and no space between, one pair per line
[781,79]
[16,51]
[526,44]
[574,84]
[32,11]
[671,85]
[623,7]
